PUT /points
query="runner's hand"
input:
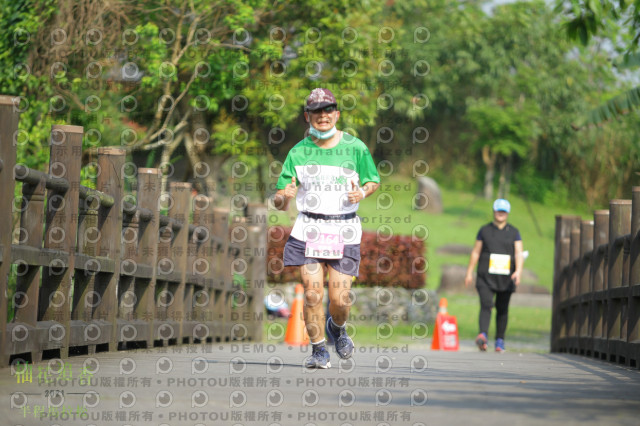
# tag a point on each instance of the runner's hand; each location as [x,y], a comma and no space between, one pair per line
[291,189]
[355,195]
[516,278]
[468,280]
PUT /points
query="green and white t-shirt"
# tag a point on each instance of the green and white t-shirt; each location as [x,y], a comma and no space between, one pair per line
[324,177]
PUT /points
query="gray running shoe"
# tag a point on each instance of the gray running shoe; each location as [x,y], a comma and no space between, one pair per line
[319,358]
[344,344]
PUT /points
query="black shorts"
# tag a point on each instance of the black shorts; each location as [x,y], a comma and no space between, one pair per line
[495,283]
[349,264]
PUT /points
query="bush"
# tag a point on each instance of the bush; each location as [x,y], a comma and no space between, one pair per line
[398,261]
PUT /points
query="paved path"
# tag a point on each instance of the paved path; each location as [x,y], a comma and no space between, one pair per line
[247,384]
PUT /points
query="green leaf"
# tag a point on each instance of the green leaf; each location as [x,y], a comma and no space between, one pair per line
[628,61]
[614,108]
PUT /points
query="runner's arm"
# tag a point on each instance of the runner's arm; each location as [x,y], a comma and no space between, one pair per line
[519,262]
[369,188]
[283,196]
[280,201]
[473,261]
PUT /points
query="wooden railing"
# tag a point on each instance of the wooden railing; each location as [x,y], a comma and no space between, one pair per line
[99,270]
[596,295]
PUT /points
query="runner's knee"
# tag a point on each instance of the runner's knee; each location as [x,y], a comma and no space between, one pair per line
[313,296]
[340,298]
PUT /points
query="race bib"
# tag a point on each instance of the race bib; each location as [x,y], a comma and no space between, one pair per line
[326,246]
[500,264]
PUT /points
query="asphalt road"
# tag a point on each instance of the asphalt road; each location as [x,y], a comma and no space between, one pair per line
[260,384]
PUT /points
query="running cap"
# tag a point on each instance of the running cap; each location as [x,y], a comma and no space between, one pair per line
[320,98]
[501,205]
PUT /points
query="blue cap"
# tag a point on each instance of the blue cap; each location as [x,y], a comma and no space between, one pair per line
[501,205]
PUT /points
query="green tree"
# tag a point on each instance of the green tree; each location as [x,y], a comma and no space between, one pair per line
[217,83]
[619,23]
[19,24]
[503,134]
[517,51]
[221,85]
[512,58]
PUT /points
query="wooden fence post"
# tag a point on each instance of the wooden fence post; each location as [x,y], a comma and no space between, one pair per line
[584,276]
[212,287]
[110,180]
[239,269]
[257,215]
[30,234]
[163,267]
[180,211]
[25,299]
[85,296]
[228,255]
[219,299]
[147,255]
[598,276]
[564,225]
[129,268]
[634,245]
[9,117]
[600,239]
[574,255]
[258,241]
[201,269]
[571,291]
[586,247]
[60,234]
[633,329]
[619,225]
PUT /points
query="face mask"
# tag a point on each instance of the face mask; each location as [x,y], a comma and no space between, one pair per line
[322,135]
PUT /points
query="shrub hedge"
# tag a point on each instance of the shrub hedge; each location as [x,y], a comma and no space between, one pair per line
[398,261]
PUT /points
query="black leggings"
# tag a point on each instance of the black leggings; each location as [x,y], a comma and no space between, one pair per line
[486,303]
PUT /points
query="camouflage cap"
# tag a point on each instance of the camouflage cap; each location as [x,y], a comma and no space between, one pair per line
[320,98]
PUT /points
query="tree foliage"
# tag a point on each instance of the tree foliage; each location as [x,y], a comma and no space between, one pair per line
[213,92]
[619,23]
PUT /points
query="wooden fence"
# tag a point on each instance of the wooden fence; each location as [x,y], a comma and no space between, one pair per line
[100,270]
[596,292]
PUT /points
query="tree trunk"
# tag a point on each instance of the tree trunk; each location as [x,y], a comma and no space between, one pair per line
[201,169]
[505,177]
[165,158]
[489,160]
[503,167]
[262,185]
[509,174]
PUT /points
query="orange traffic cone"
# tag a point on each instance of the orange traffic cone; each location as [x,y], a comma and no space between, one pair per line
[442,305]
[445,333]
[296,330]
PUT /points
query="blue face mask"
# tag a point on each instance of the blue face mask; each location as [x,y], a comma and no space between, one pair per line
[322,135]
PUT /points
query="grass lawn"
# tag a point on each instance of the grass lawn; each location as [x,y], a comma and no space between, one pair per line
[528,326]
[464,214]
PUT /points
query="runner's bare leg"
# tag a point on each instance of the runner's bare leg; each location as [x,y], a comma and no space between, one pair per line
[339,300]
[313,282]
